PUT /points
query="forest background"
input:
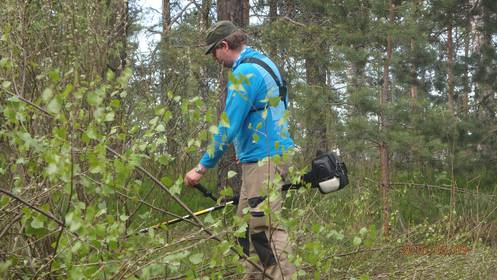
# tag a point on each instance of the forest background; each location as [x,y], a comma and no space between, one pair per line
[96,135]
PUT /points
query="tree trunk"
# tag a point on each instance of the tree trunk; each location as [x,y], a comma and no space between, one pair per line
[414,74]
[450,71]
[119,33]
[166,22]
[273,10]
[316,79]
[273,15]
[204,18]
[166,18]
[236,11]
[450,105]
[384,126]
[467,88]
[414,66]
[289,6]
[481,39]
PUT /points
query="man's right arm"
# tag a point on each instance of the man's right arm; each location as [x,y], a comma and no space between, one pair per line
[241,96]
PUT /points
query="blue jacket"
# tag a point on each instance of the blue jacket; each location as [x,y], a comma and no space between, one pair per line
[258,134]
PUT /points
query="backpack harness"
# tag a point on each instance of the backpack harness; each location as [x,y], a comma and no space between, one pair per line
[281,85]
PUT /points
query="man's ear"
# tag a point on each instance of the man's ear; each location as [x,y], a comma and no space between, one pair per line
[224,44]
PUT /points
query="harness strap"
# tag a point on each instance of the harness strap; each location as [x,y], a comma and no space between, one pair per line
[281,85]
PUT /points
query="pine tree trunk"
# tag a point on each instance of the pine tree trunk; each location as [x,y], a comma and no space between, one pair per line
[481,39]
[166,18]
[166,22]
[465,99]
[273,10]
[450,105]
[118,23]
[450,71]
[414,74]
[384,126]
[414,66]
[273,15]
[238,12]
[204,18]
[289,8]
[316,78]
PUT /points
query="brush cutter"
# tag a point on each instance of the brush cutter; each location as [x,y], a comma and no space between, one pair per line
[328,174]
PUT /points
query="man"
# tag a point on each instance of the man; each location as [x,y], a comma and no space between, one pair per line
[254,120]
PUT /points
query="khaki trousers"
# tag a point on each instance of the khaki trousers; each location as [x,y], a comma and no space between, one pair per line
[264,237]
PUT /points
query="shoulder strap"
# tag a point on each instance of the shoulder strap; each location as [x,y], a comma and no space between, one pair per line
[281,85]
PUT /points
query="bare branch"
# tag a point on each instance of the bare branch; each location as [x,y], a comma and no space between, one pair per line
[46,214]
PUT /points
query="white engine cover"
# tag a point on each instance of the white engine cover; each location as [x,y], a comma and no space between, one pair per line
[330,185]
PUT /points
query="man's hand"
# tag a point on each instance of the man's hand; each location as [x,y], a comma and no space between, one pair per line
[193,176]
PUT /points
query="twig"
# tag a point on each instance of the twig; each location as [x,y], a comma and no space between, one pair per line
[29,103]
[144,202]
[46,214]
[7,227]
[68,202]
[293,21]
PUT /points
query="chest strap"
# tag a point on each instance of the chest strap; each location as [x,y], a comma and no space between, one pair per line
[281,85]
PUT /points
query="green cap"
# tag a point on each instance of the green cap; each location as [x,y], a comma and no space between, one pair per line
[217,33]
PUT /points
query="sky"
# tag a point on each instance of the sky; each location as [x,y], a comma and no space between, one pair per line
[151,16]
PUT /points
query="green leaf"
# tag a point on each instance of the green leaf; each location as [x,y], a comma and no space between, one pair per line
[37,223]
[46,94]
[357,241]
[75,248]
[363,231]
[264,114]
[54,106]
[231,174]
[4,200]
[274,101]
[52,168]
[176,188]
[213,129]
[211,149]
[67,90]
[4,266]
[4,61]
[153,122]
[196,258]
[316,228]
[160,128]
[166,181]
[208,219]
[336,235]
[6,84]
[54,75]
[110,75]
[91,133]
[255,138]
[109,116]
[225,122]
[94,99]
[276,145]
[241,230]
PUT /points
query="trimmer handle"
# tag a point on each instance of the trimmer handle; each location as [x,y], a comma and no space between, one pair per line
[205,191]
